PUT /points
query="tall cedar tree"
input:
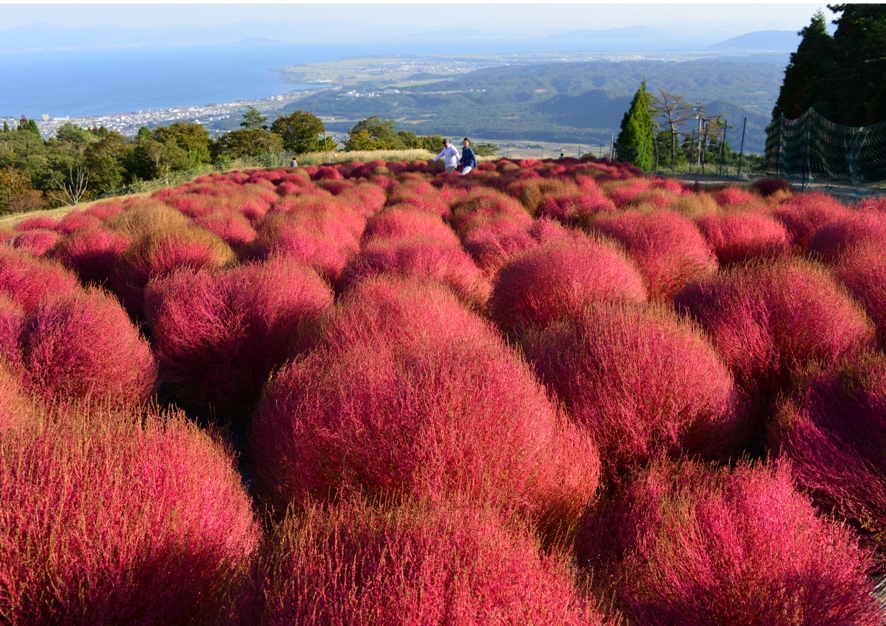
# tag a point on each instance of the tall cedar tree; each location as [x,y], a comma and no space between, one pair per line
[857,91]
[634,143]
[804,78]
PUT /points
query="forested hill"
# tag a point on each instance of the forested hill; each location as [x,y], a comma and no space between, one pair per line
[580,102]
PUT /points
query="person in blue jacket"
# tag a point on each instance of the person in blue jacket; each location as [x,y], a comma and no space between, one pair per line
[468,159]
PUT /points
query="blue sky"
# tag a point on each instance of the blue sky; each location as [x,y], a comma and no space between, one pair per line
[517,18]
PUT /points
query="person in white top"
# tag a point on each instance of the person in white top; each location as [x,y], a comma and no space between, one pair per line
[449,155]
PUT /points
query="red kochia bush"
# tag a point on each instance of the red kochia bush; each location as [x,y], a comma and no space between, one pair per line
[14,408]
[76,220]
[642,381]
[411,395]
[770,321]
[92,253]
[575,210]
[839,236]
[353,565]
[493,242]
[683,544]
[84,347]
[803,214]
[558,278]
[743,236]
[218,335]
[36,242]
[863,270]
[667,248]
[111,519]
[42,222]
[29,281]
[835,436]
[159,253]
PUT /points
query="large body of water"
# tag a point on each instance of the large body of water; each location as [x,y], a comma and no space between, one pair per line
[95,82]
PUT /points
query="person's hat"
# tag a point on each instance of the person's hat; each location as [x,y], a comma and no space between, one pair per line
[445,141]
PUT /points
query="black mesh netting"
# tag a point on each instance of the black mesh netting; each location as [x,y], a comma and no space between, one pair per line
[813,148]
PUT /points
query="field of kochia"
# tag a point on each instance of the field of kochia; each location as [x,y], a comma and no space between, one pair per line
[548,392]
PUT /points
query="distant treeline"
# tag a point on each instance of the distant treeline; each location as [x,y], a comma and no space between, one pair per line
[80,164]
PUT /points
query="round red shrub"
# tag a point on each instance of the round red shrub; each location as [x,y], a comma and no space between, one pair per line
[741,237]
[42,222]
[234,228]
[92,253]
[105,210]
[643,381]
[364,199]
[423,258]
[841,235]
[492,242]
[559,278]
[732,195]
[218,335]
[401,223]
[14,407]
[36,242]
[668,249]
[84,347]
[159,253]
[803,214]
[863,270]
[111,519]
[769,321]
[486,202]
[575,210]
[835,436]
[77,220]
[355,565]
[29,281]
[683,544]
[409,395]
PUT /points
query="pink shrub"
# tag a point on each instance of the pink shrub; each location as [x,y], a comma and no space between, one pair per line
[623,193]
[365,199]
[355,565]
[835,437]
[683,544]
[14,407]
[575,210]
[863,270]
[218,335]
[732,195]
[42,222]
[401,223]
[838,236]
[111,519]
[668,249]
[322,239]
[233,228]
[77,220]
[409,395]
[740,237]
[29,281]
[803,214]
[84,347]
[36,242]
[492,242]
[92,253]
[105,210]
[159,253]
[770,321]
[424,258]
[642,381]
[558,279]
[485,202]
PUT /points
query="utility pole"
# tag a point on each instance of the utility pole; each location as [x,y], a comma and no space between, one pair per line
[741,150]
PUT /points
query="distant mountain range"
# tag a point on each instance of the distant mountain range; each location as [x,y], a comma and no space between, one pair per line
[42,36]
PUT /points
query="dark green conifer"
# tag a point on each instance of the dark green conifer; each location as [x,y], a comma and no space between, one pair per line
[635,141]
[805,80]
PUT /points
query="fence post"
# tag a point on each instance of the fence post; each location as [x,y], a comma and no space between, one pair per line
[722,143]
[741,150]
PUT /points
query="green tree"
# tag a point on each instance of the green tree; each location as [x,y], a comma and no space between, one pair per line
[247,142]
[299,131]
[254,120]
[15,185]
[106,161]
[485,149]
[856,90]
[190,137]
[634,143]
[805,82]
[382,132]
[361,140]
